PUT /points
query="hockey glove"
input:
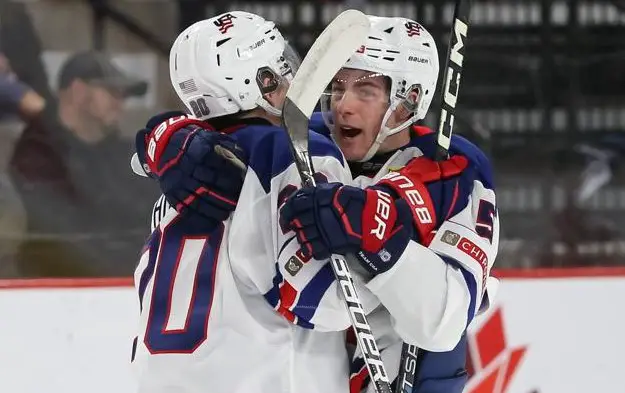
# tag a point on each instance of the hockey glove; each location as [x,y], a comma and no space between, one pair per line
[199,170]
[435,191]
[333,218]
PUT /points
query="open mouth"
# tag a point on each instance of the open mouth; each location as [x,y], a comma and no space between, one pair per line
[350,132]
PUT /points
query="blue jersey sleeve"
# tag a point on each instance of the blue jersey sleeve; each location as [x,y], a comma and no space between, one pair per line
[459,145]
[303,291]
[318,125]
[270,153]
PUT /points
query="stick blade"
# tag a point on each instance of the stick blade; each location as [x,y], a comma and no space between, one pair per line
[330,51]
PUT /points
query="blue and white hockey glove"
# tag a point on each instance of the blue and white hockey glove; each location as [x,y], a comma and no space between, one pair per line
[334,218]
[199,170]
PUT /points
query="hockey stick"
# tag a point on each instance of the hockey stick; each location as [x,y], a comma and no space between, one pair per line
[451,78]
[340,39]
[409,361]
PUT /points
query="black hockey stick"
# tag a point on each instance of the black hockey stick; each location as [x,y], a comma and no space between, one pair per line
[409,362]
[340,39]
[451,78]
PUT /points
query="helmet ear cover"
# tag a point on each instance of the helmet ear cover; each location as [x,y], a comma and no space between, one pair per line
[267,80]
[411,102]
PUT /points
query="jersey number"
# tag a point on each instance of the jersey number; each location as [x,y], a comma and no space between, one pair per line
[199,108]
[485,218]
[183,254]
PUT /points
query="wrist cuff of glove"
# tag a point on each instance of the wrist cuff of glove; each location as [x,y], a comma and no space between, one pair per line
[382,259]
[159,137]
[418,198]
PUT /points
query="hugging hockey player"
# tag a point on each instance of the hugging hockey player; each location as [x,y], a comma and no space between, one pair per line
[236,303]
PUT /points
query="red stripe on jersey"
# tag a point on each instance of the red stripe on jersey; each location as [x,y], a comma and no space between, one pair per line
[421,130]
[288,294]
[357,381]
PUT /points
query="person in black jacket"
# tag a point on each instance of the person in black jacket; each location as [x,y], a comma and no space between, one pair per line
[68,167]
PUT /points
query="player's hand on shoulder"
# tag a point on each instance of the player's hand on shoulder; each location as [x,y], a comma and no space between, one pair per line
[199,170]
[334,218]
[434,190]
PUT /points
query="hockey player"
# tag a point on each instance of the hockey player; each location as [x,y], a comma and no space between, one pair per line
[237,306]
[480,207]
[369,111]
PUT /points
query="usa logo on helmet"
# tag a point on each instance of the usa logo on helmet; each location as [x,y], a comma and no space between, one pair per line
[413,28]
[224,23]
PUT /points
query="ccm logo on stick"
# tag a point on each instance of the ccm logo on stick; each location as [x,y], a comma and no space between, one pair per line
[452,83]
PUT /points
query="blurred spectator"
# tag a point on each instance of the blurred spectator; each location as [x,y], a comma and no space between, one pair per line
[87,214]
[20,44]
[15,96]
[18,101]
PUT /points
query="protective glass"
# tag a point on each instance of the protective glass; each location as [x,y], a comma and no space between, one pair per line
[362,92]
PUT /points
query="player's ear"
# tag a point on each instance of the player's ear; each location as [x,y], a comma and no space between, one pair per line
[406,109]
[409,106]
[273,87]
[275,99]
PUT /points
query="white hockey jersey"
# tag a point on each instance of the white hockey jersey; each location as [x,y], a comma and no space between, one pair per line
[237,310]
[450,279]
[451,275]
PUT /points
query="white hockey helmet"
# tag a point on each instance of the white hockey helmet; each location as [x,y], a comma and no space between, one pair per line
[225,64]
[402,50]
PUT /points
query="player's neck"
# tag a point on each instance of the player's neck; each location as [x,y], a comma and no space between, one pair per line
[372,167]
[395,141]
[262,114]
[391,144]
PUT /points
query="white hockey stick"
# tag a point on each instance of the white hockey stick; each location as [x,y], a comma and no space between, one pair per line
[340,39]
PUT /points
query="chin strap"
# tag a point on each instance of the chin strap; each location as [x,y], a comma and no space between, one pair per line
[261,102]
[385,132]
